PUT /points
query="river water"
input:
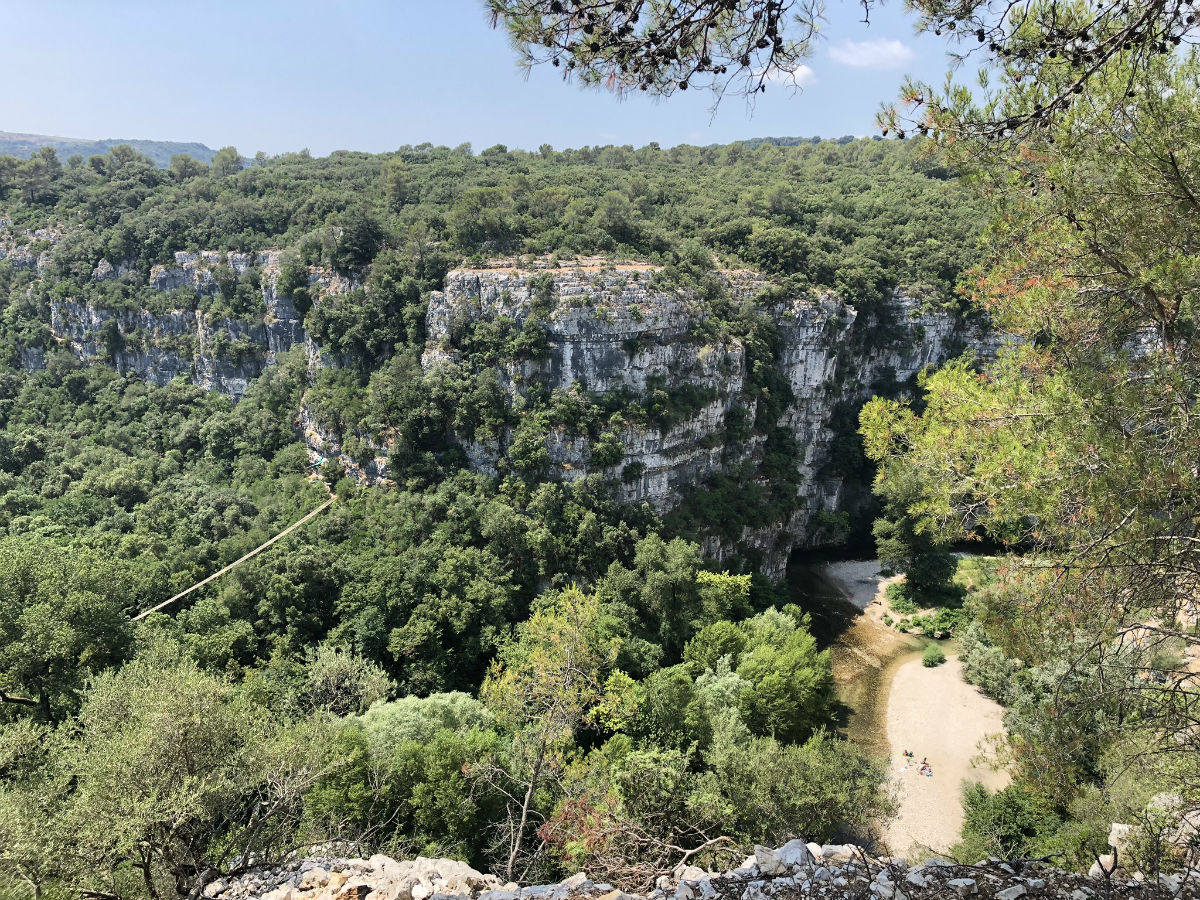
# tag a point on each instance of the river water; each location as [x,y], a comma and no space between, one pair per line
[863,653]
[889,701]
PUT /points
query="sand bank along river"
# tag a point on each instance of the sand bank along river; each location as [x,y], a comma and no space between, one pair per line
[892,703]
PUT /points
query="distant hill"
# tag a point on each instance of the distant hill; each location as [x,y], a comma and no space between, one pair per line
[25,145]
[752,143]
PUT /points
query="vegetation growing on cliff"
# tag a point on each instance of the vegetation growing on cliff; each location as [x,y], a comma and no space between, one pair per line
[860,216]
[386,679]
[1074,449]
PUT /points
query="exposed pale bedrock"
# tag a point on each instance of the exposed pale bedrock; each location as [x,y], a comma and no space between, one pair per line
[610,329]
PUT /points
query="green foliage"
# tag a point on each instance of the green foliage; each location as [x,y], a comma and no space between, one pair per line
[148,787]
[767,668]
[862,216]
[1006,823]
[418,718]
[62,618]
[227,162]
[357,237]
[406,795]
[1087,269]
[341,682]
[934,655]
[928,569]
[554,680]
[899,599]
[790,688]
[667,596]
[825,783]
[622,800]
[114,495]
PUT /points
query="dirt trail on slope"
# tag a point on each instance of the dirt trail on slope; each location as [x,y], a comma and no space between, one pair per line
[936,715]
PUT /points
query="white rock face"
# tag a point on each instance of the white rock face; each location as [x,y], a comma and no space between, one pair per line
[216,353]
[612,330]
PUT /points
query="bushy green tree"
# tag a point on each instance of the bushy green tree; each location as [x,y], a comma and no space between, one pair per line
[62,619]
[342,682]
[790,693]
[417,718]
[557,678]
[167,778]
[359,235]
[1005,823]
[227,162]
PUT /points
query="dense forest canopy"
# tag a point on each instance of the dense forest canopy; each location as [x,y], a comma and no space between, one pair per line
[1073,449]
[831,214]
[521,671]
[388,677]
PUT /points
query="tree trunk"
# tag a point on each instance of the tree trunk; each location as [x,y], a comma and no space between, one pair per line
[519,837]
[148,876]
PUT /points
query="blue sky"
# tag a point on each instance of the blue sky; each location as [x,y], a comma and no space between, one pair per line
[376,74]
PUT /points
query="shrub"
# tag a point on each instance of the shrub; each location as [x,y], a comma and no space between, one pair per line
[898,598]
[1005,824]
[933,656]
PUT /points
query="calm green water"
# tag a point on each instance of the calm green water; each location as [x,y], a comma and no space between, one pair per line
[863,653]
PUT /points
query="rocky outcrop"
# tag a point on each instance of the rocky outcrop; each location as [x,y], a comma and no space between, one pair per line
[25,249]
[218,353]
[797,869]
[613,329]
[610,330]
[339,878]
[367,465]
[215,352]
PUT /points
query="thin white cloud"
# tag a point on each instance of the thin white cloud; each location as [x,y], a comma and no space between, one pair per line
[802,77]
[881,53]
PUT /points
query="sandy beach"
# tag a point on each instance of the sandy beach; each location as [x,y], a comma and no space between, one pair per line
[938,716]
[897,704]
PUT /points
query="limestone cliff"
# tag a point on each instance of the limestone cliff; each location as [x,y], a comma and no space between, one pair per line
[216,352]
[614,328]
[220,353]
[610,330]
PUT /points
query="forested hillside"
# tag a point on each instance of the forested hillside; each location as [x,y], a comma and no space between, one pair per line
[1072,450]
[569,410]
[457,663]
[23,146]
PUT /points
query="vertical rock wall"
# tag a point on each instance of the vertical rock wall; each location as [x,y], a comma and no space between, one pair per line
[611,329]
